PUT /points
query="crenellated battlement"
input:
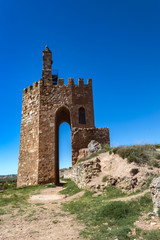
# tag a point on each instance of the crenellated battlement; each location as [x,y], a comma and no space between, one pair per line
[71,82]
[30,88]
[60,83]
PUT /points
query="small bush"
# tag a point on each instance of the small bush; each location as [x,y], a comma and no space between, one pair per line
[154,163]
[158,156]
[116,210]
[105,148]
[157,145]
[104,179]
[159,212]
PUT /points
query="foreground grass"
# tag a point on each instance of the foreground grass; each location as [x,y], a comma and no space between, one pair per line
[70,188]
[17,197]
[110,220]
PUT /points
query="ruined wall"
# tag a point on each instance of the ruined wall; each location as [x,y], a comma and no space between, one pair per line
[155,191]
[81,137]
[82,173]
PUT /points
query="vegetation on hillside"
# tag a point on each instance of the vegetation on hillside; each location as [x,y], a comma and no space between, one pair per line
[110,220]
[8,183]
[140,154]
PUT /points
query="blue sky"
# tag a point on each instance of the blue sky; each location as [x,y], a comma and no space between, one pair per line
[116,43]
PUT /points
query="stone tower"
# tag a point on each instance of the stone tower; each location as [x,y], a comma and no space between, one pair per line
[46,105]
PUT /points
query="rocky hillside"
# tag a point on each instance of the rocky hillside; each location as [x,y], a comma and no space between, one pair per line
[129,168]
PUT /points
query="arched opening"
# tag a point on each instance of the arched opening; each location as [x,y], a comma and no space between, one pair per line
[82,116]
[65,155]
[62,115]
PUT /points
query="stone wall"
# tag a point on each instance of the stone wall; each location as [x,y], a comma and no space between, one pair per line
[29,144]
[82,173]
[155,190]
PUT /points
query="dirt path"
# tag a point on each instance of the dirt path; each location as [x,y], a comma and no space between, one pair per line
[130,197]
[43,220]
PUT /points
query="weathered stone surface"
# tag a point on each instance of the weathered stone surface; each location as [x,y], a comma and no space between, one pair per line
[155,191]
[82,173]
[94,146]
[46,105]
[82,153]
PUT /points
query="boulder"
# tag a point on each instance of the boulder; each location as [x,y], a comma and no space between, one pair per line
[94,147]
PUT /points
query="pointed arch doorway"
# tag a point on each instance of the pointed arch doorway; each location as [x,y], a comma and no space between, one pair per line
[62,115]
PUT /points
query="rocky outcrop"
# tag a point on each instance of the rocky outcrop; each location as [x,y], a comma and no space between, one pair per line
[112,170]
[155,190]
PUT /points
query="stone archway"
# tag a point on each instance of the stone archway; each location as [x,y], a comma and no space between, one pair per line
[62,115]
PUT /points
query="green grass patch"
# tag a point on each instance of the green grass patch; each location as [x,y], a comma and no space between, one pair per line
[2,211]
[112,192]
[151,235]
[55,221]
[104,179]
[159,212]
[158,156]
[39,204]
[70,188]
[17,198]
[108,220]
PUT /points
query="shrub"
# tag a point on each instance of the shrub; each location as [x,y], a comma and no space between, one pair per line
[158,156]
[104,179]
[157,145]
[159,212]
[116,210]
[154,163]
